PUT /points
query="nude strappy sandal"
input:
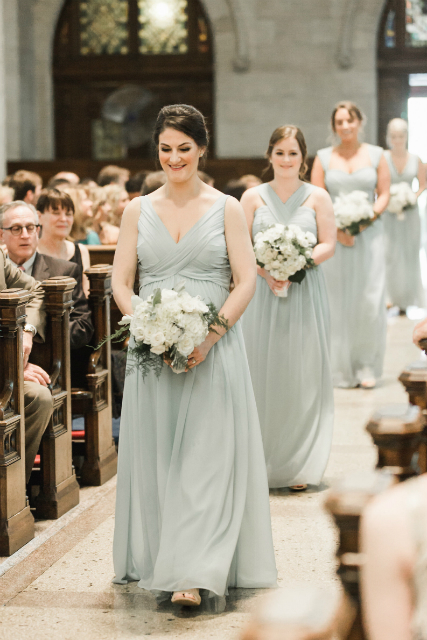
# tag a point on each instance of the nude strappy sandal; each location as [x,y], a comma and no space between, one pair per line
[188,598]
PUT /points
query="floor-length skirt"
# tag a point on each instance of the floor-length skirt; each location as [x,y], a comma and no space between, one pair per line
[192,496]
[403,268]
[287,341]
[355,279]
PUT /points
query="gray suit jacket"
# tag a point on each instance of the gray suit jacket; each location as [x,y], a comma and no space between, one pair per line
[13,278]
[81,327]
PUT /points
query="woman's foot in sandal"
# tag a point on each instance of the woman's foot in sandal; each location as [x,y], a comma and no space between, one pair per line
[298,487]
[188,598]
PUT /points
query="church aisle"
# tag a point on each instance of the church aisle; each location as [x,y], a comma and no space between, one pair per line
[63,590]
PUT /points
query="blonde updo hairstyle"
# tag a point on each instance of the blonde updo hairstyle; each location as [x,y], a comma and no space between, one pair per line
[396,124]
[289,131]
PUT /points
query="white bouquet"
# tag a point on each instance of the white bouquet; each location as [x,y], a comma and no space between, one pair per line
[401,197]
[285,252]
[353,211]
[169,322]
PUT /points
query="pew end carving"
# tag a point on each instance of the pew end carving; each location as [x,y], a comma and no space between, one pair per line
[16,520]
[59,489]
[94,401]
[346,502]
[397,432]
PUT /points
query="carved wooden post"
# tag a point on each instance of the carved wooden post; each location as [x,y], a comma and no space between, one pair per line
[414,379]
[345,502]
[16,520]
[100,463]
[397,432]
[59,489]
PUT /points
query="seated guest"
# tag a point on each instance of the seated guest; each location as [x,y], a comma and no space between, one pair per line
[152,182]
[69,176]
[235,188]
[23,222]
[102,214]
[37,397]
[113,174]
[394,575]
[204,177]
[87,183]
[118,198]
[6,194]
[58,183]
[56,215]
[81,230]
[26,185]
[250,180]
[134,184]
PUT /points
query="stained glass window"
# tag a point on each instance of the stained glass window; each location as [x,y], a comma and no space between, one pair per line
[104,27]
[163,26]
[416,23]
[390,30]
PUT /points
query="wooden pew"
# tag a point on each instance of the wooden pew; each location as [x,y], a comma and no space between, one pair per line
[94,400]
[59,489]
[397,431]
[345,502]
[16,520]
[414,379]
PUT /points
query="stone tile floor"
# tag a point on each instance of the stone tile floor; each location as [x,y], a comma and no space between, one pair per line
[62,590]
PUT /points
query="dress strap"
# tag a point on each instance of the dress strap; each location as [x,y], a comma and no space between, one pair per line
[375,153]
[324,156]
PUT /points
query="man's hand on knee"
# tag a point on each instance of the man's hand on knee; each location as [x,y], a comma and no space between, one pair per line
[34,373]
[27,342]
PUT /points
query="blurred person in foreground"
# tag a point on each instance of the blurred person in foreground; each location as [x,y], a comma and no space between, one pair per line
[56,214]
[111,174]
[37,397]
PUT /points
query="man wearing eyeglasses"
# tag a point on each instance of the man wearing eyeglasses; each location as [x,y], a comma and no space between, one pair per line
[37,397]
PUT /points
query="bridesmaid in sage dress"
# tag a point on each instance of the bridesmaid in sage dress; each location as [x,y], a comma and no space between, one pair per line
[402,236]
[192,506]
[355,277]
[287,338]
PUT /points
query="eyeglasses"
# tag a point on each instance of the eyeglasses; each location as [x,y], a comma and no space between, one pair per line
[16,229]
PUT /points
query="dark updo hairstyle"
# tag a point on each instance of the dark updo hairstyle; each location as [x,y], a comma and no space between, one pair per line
[353,110]
[184,118]
[289,131]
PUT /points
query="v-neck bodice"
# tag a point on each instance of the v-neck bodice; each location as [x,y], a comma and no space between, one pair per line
[293,211]
[410,170]
[201,254]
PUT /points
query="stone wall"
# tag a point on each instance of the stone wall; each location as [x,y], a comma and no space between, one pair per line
[277,61]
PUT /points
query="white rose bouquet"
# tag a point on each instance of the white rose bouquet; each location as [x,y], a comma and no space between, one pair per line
[353,211]
[285,252]
[168,323]
[401,197]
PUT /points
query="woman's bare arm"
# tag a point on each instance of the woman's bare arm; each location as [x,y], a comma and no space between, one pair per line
[326,227]
[317,174]
[383,187]
[422,178]
[125,259]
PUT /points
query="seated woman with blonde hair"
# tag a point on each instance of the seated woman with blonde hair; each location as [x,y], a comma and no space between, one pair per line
[118,198]
[103,217]
[81,231]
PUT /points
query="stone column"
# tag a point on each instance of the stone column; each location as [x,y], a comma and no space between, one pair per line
[2,98]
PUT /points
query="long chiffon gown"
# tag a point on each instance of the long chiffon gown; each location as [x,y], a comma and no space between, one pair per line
[402,238]
[355,279]
[192,505]
[287,341]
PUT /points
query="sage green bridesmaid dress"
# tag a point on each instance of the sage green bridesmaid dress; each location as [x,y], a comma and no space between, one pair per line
[355,280]
[287,342]
[192,505]
[402,243]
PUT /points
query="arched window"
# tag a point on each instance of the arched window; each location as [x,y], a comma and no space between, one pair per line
[117,62]
[402,58]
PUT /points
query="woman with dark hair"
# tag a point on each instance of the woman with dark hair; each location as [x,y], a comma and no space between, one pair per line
[287,338]
[56,213]
[192,497]
[355,277]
